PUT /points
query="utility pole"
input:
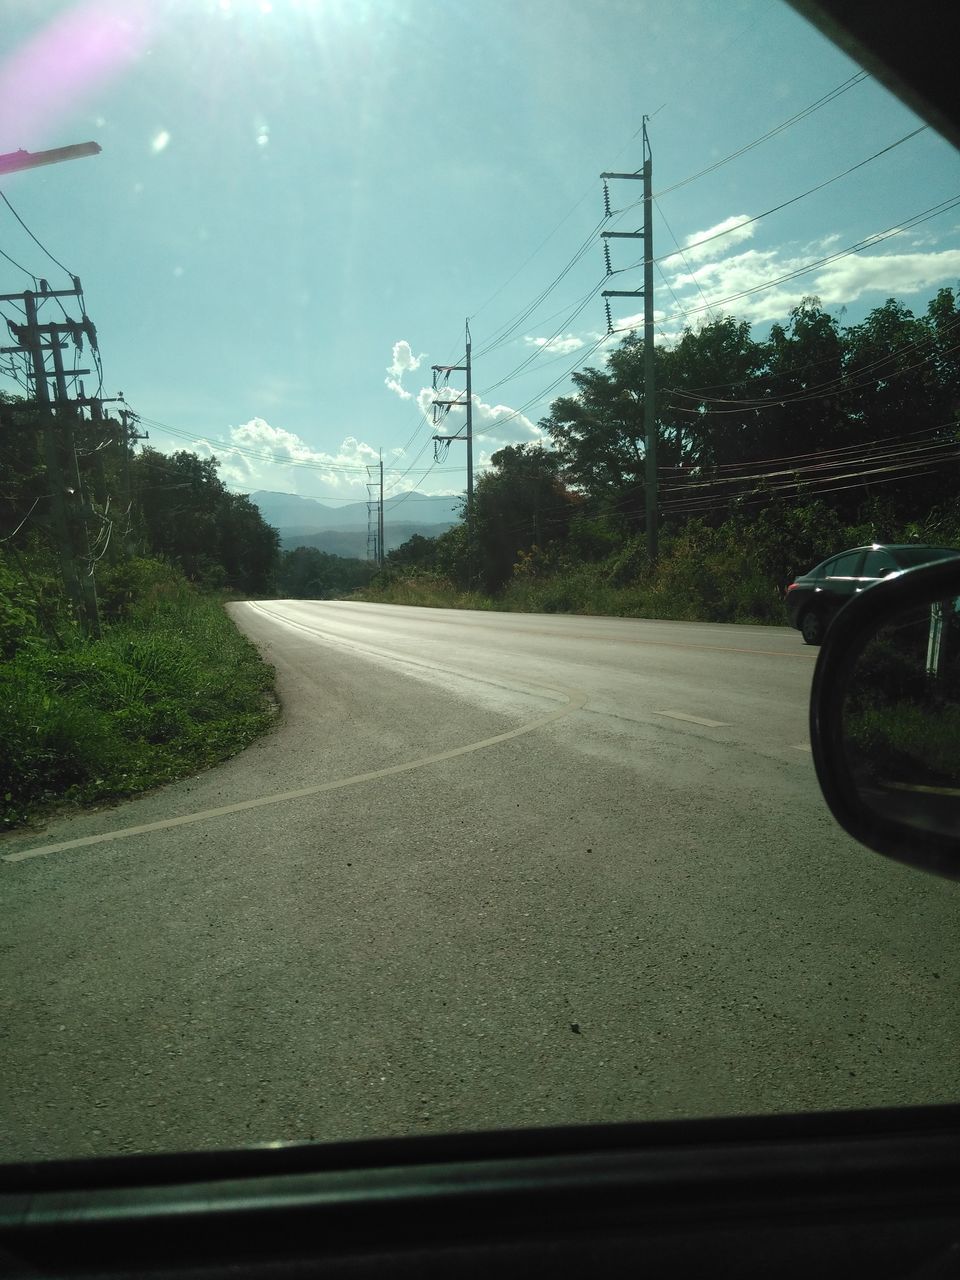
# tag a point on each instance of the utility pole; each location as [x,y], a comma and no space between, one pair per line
[375,549]
[441,407]
[57,415]
[51,450]
[380,518]
[128,434]
[649,387]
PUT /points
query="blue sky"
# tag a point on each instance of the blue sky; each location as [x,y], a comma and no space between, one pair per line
[298,203]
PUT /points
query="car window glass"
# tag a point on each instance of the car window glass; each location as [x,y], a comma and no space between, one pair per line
[878,564]
[845,566]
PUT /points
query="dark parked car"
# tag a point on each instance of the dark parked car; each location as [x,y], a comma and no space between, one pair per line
[814,598]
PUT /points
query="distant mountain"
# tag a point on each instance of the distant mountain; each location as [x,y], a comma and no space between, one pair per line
[293,515]
[353,543]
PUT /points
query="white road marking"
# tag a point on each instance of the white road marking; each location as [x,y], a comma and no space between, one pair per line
[575,700]
[800,746]
[682,715]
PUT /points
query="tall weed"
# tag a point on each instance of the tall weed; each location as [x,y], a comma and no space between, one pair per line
[172,687]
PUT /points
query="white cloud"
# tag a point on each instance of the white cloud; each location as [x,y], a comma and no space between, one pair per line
[404,361]
[260,456]
[160,142]
[836,283]
[562,344]
[500,425]
[701,245]
[396,386]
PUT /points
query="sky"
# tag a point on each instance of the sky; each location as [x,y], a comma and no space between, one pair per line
[299,203]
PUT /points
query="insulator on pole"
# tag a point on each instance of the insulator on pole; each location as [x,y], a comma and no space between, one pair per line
[606,258]
[609,316]
[606,201]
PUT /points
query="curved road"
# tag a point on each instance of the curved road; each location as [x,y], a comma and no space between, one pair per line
[489,870]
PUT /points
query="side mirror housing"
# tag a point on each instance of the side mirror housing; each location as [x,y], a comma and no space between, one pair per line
[885,717]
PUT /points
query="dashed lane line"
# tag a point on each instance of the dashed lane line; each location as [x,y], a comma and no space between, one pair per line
[682,715]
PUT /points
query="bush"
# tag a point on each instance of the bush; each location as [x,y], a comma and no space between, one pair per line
[18,609]
[173,687]
[141,581]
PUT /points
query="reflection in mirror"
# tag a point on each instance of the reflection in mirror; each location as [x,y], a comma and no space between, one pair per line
[901,719]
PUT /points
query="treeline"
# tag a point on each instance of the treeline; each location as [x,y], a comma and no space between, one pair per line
[772,454]
[144,513]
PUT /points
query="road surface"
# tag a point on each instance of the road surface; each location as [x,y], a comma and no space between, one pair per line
[489,870]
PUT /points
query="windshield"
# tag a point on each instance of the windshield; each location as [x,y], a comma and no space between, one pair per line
[404,725]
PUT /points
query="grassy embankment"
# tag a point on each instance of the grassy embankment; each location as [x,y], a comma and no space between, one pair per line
[685,585]
[171,687]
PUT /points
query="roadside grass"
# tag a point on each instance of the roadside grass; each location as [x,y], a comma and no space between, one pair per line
[171,687]
[907,741]
[680,588]
[427,591]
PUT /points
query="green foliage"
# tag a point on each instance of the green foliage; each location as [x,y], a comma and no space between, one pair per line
[18,621]
[171,687]
[308,573]
[429,591]
[138,583]
[216,538]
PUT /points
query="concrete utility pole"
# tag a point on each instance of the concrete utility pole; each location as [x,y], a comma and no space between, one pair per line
[649,387]
[441,407]
[380,518]
[375,549]
[60,454]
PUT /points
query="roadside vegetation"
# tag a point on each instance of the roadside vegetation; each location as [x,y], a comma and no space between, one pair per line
[901,721]
[165,684]
[772,455]
[170,687]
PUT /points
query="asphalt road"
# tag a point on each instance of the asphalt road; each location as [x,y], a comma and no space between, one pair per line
[489,870]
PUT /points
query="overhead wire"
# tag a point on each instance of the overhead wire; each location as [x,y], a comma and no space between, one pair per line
[944,206]
[784,204]
[13,262]
[10,536]
[824,100]
[34,238]
[817,453]
[825,391]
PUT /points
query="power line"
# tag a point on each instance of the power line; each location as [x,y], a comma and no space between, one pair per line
[693,274]
[37,242]
[777,207]
[820,453]
[945,206]
[887,455]
[247,452]
[826,390]
[502,335]
[525,364]
[803,114]
[13,262]
[11,536]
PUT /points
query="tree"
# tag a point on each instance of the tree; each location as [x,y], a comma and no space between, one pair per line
[306,573]
[187,515]
[519,504]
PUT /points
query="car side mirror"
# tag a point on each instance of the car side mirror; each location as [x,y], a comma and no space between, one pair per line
[885,717]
